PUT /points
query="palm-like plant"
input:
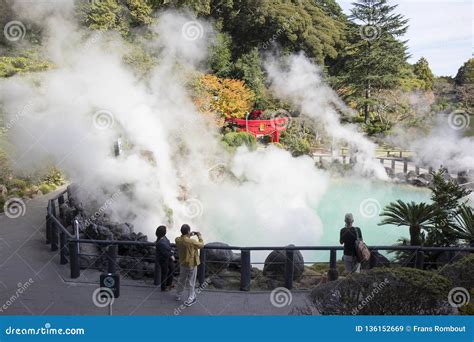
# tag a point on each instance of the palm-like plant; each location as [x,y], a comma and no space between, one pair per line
[464,224]
[417,216]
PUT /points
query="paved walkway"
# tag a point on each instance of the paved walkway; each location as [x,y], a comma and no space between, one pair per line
[24,256]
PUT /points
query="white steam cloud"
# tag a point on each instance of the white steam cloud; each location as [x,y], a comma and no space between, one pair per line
[73,114]
[301,82]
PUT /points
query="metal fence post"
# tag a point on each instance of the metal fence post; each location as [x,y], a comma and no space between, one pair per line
[245,274]
[202,267]
[333,273]
[393,165]
[157,275]
[289,268]
[74,259]
[62,248]
[60,203]
[112,257]
[54,237]
[48,224]
[420,259]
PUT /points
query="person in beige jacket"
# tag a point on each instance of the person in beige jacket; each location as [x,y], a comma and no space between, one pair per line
[188,251]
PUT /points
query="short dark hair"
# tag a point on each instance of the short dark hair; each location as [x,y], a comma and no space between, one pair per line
[185,229]
[160,232]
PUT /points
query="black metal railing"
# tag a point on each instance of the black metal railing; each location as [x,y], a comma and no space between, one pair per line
[68,244]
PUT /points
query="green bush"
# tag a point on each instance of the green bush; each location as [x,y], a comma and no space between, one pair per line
[45,188]
[54,177]
[401,291]
[19,183]
[236,139]
[460,273]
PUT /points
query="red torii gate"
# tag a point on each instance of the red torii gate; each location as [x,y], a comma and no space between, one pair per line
[260,128]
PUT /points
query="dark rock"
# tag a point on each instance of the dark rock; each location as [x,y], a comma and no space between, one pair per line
[218,259]
[426,176]
[135,268]
[400,176]
[96,232]
[254,272]
[217,282]
[419,182]
[236,262]
[389,171]
[275,264]
[89,255]
[121,231]
[69,213]
[376,260]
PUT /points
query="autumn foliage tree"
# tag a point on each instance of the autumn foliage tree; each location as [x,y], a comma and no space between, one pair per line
[222,97]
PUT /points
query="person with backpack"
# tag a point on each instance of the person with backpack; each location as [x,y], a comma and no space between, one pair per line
[349,237]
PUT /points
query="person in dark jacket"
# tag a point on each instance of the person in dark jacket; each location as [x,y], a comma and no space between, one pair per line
[165,257]
[348,236]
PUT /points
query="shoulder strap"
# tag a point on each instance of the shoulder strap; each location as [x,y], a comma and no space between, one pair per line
[357,233]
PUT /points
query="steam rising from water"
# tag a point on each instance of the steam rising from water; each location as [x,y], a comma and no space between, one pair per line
[301,82]
[73,114]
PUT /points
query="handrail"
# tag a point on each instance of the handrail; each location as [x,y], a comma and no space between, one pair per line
[284,248]
[56,234]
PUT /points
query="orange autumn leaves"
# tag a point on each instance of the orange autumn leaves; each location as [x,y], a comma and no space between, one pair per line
[222,97]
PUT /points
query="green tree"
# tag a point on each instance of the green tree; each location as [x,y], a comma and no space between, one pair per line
[220,55]
[447,196]
[375,58]
[465,73]
[417,216]
[423,72]
[198,7]
[305,25]
[117,15]
[465,85]
[464,224]
[248,68]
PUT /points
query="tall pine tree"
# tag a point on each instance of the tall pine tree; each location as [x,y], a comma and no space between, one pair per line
[376,57]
